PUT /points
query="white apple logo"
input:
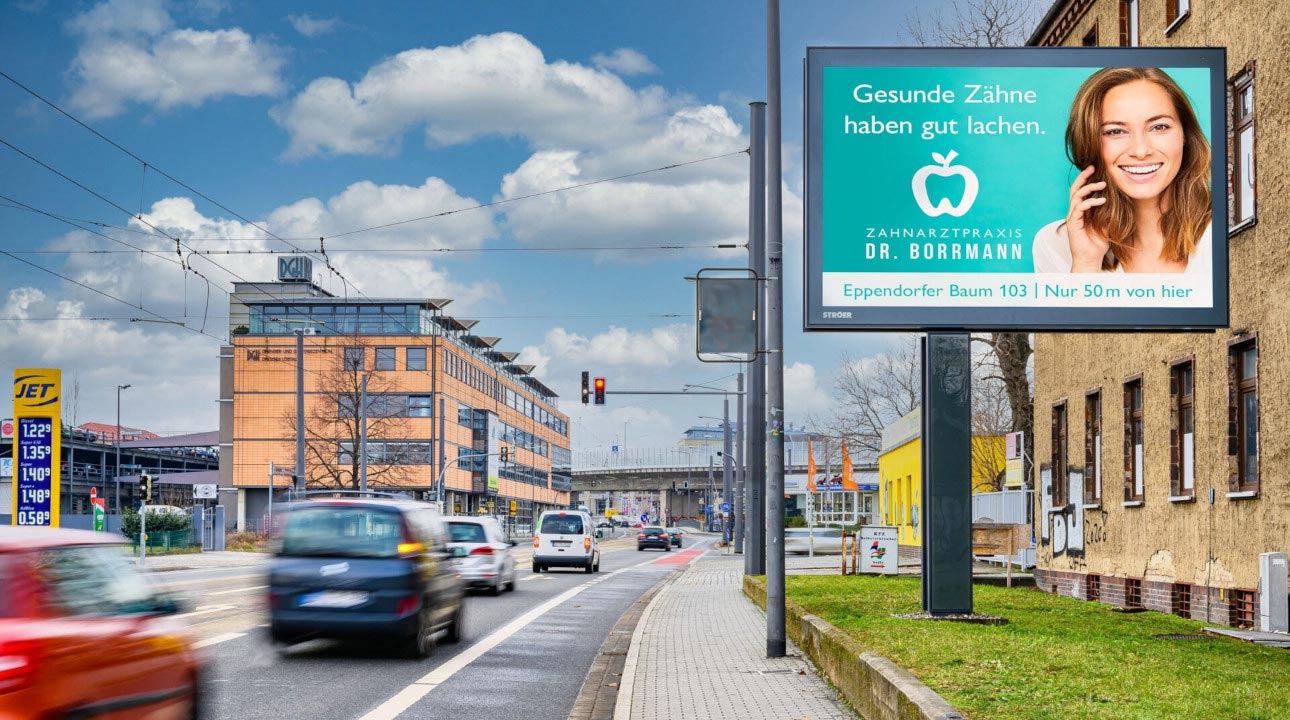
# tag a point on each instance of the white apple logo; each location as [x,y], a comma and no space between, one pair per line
[945,170]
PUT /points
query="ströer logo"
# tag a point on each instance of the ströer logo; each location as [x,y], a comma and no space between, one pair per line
[944,169]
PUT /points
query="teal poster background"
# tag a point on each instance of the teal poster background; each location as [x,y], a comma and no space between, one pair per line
[1023,179]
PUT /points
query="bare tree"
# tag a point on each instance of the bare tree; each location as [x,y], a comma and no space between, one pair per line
[870,394]
[333,428]
[991,23]
[973,23]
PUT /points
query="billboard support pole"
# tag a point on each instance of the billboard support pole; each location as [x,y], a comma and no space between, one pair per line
[755,486]
[776,640]
[947,462]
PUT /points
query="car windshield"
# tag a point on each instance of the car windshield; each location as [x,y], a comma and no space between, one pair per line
[562,525]
[343,531]
[653,531]
[93,580]
[6,600]
[467,532]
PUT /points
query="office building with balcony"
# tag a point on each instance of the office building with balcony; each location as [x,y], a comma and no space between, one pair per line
[442,402]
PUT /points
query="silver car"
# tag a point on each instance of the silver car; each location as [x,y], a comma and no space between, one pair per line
[826,540]
[489,561]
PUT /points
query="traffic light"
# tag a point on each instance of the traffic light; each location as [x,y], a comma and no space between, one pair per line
[506,453]
[600,391]
[145,487]
[586,391]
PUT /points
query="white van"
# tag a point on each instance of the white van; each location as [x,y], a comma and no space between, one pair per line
[566,538]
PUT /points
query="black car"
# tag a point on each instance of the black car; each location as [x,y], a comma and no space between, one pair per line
[354,568]
[655,537]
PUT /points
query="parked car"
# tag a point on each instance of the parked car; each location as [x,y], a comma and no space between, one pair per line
[565,539]
[653,536]
[489,560]
[364,568]
[622,521]
[828,541]
[675,535]
[82,630]
[603,523]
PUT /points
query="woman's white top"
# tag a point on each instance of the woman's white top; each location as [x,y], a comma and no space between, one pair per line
[1052,251]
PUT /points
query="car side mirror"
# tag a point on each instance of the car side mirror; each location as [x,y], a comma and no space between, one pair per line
[514,543]
[459,552]
[165,604]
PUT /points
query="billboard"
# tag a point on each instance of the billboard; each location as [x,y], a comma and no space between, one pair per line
[37,446]
[1017,188]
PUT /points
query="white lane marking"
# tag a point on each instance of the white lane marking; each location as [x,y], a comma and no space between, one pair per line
[218,639]
[408,696]
[206,610]
[237,590]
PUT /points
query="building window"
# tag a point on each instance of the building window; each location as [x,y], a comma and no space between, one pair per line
[1242,609]
[1090,37]
[1132,593]
[1242,141]
[1243,415]
[1182,430]
[416,358]
[1128,23]
[354,359]
[1060,480]
[384,358]
[1133,454]
[420,406]
[1176,11]
[1181,600]
[1093,448]
[1093,587]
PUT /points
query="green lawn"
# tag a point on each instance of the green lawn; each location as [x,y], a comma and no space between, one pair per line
[1058,657]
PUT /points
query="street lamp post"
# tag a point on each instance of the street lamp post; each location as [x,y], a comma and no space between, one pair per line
[117,474]
[300,395]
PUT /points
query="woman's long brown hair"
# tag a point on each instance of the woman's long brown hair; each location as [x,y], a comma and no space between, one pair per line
[1187,199]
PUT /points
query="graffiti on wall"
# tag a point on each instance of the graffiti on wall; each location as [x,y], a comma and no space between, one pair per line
[1068,520]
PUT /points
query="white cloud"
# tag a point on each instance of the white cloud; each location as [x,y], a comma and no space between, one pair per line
[131,53]
[625,61]
[619,347]
[499,85]
[802,392]
[311,26]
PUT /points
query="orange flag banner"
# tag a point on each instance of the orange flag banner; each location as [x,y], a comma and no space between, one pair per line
[848,481]
[810,466]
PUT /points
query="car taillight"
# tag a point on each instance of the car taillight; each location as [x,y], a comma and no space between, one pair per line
[18,662]
[535,542]
[275,601]
[640,535]
[586,543]
[407,605]
[482,550]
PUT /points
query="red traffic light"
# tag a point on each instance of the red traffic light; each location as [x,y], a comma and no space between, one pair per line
[600,391]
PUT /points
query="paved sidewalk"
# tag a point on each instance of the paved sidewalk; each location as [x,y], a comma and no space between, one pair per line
[700,652]
[204,560]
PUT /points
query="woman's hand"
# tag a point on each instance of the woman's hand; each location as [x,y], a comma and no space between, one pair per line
[1087,248]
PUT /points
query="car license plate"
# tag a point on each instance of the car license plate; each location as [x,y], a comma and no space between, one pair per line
[333,599]
[561,543]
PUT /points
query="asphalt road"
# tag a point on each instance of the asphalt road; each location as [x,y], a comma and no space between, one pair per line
[524,655]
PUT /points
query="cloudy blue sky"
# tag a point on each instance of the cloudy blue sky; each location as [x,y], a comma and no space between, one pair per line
[314,119]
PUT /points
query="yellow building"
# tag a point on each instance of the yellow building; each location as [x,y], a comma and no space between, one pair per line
[900,474]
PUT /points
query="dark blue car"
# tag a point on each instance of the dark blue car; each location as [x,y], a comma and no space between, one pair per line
[365,568]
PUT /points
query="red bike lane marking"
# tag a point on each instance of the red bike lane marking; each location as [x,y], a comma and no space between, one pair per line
[681,558]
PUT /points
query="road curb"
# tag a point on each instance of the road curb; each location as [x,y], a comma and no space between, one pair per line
[598,697]
[874,685]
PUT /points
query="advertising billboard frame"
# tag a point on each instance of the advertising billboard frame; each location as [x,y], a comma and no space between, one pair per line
[820,317]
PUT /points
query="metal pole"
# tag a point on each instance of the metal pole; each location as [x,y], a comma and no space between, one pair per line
[271,476]
[727,475]
[738,506]
[300,408]
[755,552]
[362,435]
[776,642]
[708,505]
[117,473]
[443,460]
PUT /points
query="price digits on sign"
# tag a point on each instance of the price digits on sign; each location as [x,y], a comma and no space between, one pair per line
[35,471]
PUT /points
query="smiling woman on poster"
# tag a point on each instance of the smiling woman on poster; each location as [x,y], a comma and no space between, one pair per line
[1135,128]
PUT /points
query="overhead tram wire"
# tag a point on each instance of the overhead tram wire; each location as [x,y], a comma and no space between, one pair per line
[322,252]
[552,249]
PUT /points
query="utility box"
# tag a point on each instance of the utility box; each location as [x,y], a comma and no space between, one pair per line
[1274,610]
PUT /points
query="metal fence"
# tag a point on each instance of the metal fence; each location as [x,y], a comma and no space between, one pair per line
[167,540]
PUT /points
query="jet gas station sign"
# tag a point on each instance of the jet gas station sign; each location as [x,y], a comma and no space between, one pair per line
[940,186]
[37,446]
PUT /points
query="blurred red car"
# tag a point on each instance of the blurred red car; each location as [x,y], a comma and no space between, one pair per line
[84,634]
